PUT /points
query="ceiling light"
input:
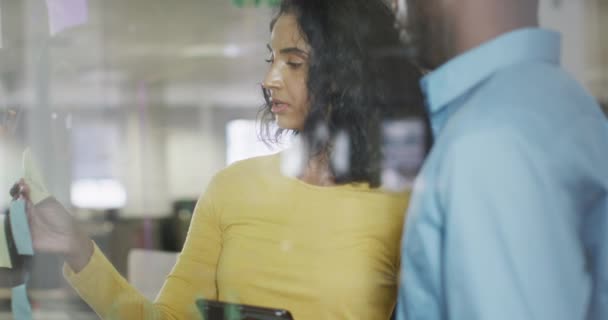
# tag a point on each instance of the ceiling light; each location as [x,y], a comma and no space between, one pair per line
[211,50]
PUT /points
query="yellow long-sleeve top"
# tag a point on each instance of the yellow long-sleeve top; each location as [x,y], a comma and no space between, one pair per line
[260,238]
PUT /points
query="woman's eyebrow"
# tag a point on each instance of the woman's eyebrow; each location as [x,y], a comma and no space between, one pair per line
[290,50]
[294,50]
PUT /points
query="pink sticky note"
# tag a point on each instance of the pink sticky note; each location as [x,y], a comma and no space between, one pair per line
[65,14]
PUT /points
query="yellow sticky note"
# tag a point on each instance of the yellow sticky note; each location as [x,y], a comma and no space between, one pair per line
[5,257]
[33,178]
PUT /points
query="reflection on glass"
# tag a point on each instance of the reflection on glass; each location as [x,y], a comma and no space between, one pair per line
[404,147]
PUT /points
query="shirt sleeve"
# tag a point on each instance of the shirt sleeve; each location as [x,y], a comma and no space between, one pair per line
[511,242]
[193,276]
[596,233]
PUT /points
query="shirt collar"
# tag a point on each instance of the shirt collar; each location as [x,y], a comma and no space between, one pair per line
[464,72]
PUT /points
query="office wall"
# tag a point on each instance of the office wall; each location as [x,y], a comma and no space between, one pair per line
[583,25]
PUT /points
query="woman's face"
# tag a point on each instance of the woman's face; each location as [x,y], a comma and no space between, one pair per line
[288,74]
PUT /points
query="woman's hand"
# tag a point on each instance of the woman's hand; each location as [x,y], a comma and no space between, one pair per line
[54,230]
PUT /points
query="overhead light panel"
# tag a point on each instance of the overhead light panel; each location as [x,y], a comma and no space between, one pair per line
[211,51]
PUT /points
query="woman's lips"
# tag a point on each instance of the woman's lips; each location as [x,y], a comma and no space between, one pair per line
[279,107]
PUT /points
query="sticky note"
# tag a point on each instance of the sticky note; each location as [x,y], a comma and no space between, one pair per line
[33,178]
[65,14]
[5,257]
[21,228]
[20,303]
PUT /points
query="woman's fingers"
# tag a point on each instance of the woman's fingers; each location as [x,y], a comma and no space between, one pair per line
[20,189]
[15,191]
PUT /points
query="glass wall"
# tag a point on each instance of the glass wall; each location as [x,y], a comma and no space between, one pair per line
[131,107]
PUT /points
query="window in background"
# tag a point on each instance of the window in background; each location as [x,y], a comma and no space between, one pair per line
[243,141]
[95,148]
[98,194]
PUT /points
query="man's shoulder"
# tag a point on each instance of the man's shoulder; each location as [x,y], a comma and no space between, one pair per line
[534,84]
[537,107]
[530,95]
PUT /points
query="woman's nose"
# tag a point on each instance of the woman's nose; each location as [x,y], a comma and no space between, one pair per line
[273,79]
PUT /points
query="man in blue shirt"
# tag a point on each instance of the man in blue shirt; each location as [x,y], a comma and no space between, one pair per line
[509,217]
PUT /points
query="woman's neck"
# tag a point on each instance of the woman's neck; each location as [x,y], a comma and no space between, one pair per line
[318,172]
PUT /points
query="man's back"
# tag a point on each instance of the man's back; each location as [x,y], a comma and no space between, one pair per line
[512,222]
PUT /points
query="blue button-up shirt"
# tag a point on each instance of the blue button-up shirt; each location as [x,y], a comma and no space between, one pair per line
[509,216]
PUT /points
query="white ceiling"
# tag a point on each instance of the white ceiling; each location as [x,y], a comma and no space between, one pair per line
[197,52]
[206,52]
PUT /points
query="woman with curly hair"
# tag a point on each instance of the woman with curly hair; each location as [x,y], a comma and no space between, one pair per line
[322,242]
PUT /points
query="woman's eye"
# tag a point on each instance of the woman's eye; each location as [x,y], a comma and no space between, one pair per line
[294,64]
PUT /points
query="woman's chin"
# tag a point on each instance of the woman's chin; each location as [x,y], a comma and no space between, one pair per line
[287,125]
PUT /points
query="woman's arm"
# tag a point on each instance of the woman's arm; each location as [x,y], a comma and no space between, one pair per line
[194,276]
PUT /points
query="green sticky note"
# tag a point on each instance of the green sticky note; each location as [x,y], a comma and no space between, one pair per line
[5,257]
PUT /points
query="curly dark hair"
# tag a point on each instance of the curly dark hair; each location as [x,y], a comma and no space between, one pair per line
[359,76]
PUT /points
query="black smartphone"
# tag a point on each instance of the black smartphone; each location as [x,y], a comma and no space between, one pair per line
[217,310]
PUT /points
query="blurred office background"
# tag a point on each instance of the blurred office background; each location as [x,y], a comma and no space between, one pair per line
[131,106]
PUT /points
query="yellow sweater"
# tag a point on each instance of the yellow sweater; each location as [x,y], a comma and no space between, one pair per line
[264,239]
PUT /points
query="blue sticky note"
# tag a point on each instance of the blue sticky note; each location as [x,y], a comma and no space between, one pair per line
[20,303]
[21,228]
